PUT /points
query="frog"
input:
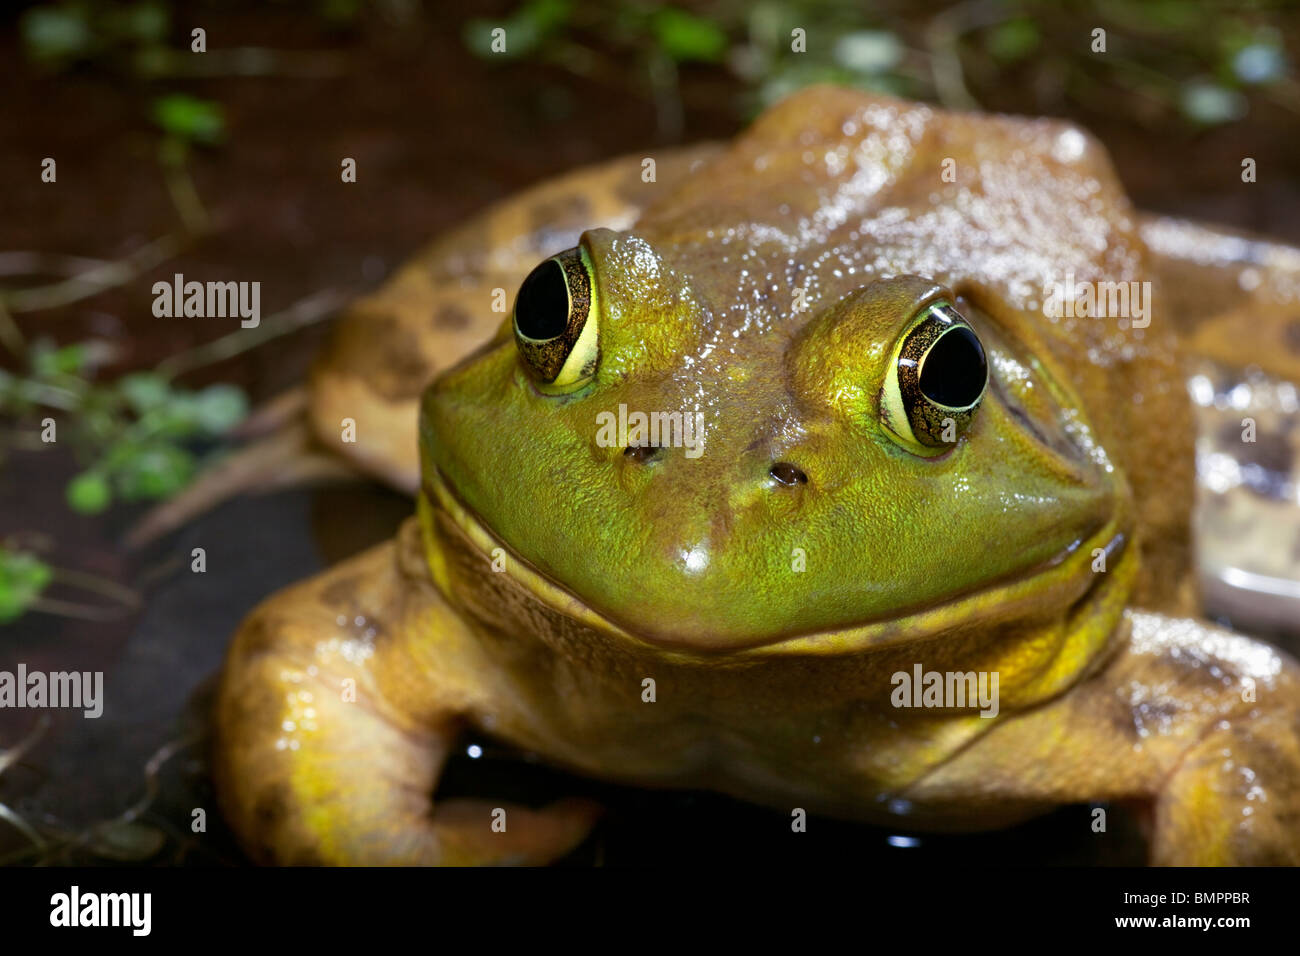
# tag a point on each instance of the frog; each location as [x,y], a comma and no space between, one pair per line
[905,465]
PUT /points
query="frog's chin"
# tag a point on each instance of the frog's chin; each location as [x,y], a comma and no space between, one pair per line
[1089,581]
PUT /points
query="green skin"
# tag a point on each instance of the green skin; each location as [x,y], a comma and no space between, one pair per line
[663,619]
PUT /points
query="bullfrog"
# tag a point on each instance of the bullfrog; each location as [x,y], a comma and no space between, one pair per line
[905,545]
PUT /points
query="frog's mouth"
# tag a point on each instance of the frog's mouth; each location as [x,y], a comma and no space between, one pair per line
[1069,579]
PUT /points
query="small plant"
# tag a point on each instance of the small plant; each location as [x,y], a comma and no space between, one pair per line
[25,579]
[22,579]
[57,36]
[187,119]
[1194,66]
[135,433]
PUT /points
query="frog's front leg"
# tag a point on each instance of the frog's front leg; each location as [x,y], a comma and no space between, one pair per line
[339,702]
[1200,724]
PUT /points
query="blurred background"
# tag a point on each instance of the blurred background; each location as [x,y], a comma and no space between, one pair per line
[226,165]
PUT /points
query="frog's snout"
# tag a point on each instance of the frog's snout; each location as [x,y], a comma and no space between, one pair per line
[782,472]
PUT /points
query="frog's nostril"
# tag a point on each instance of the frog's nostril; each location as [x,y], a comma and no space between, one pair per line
[788,474]
[642,454]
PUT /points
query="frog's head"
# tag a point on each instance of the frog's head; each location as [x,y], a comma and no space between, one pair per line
[889,458]
[898,463]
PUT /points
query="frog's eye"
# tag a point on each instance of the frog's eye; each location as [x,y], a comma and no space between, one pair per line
[555,322]
[935,382]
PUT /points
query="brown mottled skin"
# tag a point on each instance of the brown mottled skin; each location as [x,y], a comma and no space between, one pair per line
[343,694]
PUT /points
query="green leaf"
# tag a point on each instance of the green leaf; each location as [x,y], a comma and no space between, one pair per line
[143,391]
[477,37]
[156,471]
[89,493]
[868,51]
[52,362]
[684,36]
[119,455]
[545,15]
[190,119]
[53,34]
[1013,40]
[526,30]
[145,22]
[99,421]
[219,408]
[175,420]
[22,579]
[1211,104]
[768,24]
[1262,62]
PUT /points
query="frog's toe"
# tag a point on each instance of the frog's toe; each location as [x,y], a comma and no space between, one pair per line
[488,833]
[1232,800]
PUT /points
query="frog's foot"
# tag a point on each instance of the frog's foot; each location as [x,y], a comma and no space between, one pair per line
[339,703]
[1200,724]
[530,837]
[1234,798]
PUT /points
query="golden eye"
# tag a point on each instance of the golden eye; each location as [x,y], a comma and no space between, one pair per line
[555,322]
[935,382]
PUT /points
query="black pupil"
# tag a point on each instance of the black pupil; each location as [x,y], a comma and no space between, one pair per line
[954,370]
[542,306]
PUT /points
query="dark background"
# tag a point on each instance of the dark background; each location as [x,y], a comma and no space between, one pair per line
[439,130]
